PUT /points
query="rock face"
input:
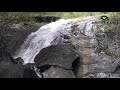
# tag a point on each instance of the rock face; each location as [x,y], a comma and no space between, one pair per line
[61,55]
[104,64]
[13,38]
[94,58]
[105,56]
[10,69]
[102,75]
[56,72]
[47,19]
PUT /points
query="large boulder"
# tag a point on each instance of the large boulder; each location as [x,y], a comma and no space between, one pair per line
[102,63]
[61,55]
[56,72]
[11,69]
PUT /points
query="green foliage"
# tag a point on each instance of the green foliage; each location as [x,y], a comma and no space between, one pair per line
[27,17]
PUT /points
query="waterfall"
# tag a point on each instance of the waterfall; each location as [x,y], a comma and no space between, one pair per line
[44,36]
[40,39]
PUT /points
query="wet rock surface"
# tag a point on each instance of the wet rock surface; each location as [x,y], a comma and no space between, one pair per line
[61,55]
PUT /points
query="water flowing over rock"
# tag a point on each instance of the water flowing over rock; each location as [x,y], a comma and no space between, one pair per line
[43,38]
[61,55]
[76,37]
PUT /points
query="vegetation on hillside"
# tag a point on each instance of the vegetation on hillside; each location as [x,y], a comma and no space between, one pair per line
[15,17]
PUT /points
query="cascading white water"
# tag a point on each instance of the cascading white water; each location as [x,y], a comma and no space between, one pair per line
[43,37]
[40,39]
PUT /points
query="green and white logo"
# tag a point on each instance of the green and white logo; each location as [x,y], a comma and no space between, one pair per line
[104,18]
